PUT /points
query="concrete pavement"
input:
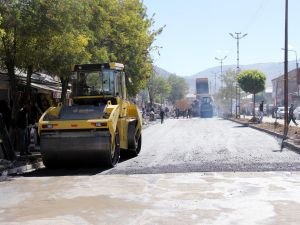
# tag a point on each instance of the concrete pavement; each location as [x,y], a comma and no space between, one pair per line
[271,198]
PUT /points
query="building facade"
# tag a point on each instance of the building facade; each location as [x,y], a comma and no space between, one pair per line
[293,89]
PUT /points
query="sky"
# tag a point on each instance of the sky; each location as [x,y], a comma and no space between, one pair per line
[197,31]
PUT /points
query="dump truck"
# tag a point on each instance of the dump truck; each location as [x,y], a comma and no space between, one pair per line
[98,124]
[204,98]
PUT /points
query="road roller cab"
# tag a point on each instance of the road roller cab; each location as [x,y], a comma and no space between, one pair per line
[98,124]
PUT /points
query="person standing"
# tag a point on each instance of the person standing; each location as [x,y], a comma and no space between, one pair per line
[261,111]
[177,113]
[189,113]
[22,123]
[291,115]
[6,113]
[162,115]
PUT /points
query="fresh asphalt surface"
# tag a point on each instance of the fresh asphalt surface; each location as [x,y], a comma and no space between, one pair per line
[196,145]
[207,145]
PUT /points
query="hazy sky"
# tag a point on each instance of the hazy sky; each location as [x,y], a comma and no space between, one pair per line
[197,31]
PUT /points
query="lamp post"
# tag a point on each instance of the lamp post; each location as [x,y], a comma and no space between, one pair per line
[221,62]
[237,36]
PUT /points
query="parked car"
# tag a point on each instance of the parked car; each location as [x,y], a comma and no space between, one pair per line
[280,112]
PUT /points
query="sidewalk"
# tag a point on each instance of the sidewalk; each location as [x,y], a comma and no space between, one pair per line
[269,126]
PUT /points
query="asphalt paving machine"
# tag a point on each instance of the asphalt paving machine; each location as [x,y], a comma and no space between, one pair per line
[98,124]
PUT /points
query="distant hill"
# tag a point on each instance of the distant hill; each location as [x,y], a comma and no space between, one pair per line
[162,72]
[271,70]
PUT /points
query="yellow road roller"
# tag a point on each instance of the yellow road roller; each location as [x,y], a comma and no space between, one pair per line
[98,124]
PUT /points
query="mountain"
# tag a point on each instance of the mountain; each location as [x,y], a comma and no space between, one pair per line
[271,70]
[162,72]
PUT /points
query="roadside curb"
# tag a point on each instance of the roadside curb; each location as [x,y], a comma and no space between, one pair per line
[20,169]
[267,131]
[288,143]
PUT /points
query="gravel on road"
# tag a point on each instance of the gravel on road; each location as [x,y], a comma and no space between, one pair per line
[213,144]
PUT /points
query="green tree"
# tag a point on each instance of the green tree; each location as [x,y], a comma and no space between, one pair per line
[179,88]
[68,44]
[10,13]
[227,92]
[121,32]
[33,35]
[158,89]
[252,81]
[53,35]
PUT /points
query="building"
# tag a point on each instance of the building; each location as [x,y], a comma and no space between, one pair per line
[40,83]
[293,89]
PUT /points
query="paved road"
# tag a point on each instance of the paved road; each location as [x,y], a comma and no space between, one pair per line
[97,196]
[207,145]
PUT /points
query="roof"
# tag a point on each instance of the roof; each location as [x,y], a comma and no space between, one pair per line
[201,79]
[190,95]
[40,81]
[99,66]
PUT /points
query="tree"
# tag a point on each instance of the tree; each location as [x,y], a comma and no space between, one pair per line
[10,13]
[121,32]
[67,44]
[33,36]
[179,88]
[252,81]
[158,88]
[226,93]
[66,51]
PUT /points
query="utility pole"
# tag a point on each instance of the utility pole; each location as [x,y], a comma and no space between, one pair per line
[221,62]
[237,36]
[285,130]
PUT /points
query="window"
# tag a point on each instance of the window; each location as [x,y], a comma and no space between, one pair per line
[94,83]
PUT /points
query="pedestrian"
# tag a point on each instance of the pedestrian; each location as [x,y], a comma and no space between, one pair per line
[22,123]
[291,115]
[162,115]
[177,113]
[189,113]
[261,111]
[6,113]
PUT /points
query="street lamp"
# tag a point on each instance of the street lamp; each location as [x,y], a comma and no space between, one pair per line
[221,62]
[237,36]
[297,66]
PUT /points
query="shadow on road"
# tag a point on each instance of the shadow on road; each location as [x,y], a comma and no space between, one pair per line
[240,126]
[45,172]
[72,171]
